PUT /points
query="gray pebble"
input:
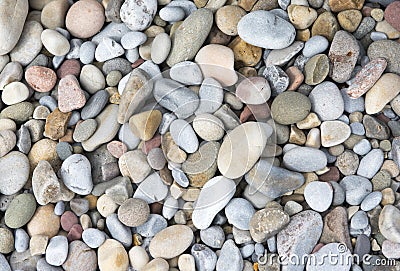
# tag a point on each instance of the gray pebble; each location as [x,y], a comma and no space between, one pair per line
[211,96]
[230,257]
[259,249]
[187,6]
[172,14]
[170,207]
[57,61]
[86,52]
[315,45]
[79,206]
[213,236]
[184,135]
[118,230]
[318,195]
[371,163]
[180,177]
[338,194]
[108,49]
[356,188]
[277,78]
[117,64]
[156,158]
[93,237]
[85,130]
[49,102]
[127,137]
[42,265]
[75,45]
[59,208]
[359,220]
[305,159]
[378,36]
[132,55]
[114,31]
[366,26]
[240,236]
[327,101]
[281,57]
[133,39]
[187,73]
[363,246]
[57,250]
[247,250]
[357,128]
[21,240]
[76,174]
[362,147]
[24,142]
[95,105]
[239,213]
[166,121]
[154,224]
[204,257]
[75,117]
[371,201]
[152,69]
[64,150]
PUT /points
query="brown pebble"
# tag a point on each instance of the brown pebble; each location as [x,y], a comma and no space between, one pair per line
[40,78]
[245,115]
[137,63]
[44,222]
[332,175]
[69,66]
[68,219]
[296,77]
[392,14]
[56,124]
[156,208]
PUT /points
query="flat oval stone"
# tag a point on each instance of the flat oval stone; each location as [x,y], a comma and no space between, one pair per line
[180,236]
[12,23]
[80,257]
[184,135]
[366,78]
[230,257]
[214,196]
[133,212]
[107,128]
[175,97]
[318,195]
[93,237]
[29,44]
[356,188]
[389,219]
[266,223]
[281,57]
[152,189]
[371,163]
[57,250]
[20,211]
[138,15]
[290,107]
[14,172]
[253,90]
[241,148]
[217,61]
[316,69]
[327,101]
[92,79]
[190,36]
[40,78]
[272,181]
[382,92]
[160,48]
[118,230]
[239,212]
[304,159]
[315,45]
[55,42]
[187,73]
[300,236]
[76,174]
[208,127]
[134,164]
[334,132]
[264,29]
[371,201]
[14,93]
[84,130]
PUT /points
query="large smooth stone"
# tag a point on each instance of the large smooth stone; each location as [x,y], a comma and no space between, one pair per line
[264,29]
[76,174]
[14,172]
[384,90]
[107,128]
[214,196]
[305,159]
[338,249]
[12,18]
[171,242]
[389,223]
[242,147]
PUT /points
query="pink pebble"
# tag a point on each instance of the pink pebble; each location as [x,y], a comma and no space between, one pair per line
[68,220]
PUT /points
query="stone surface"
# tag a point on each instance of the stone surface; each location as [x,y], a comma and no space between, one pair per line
[319,195]
[80,257]
[112,255]
[382,92]
[57,250]
[76,174]
[290,107]
[20,211]
[304,159]
[356,188]
[334,132]
[133,212]
[55,42]
[388,223]
[44,222]
[230,257]
[14,172]
[138,15]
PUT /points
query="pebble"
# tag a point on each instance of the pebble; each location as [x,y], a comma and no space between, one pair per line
[334,132]
[388,225]
[134,162]
[172,14]
[112,255]
[145,124]
[290,107]
[29,44]
[187,73]
[214,196]
[211,96]
[239,213]
[8,140]
[217,61]
[182,237]
[371,163]
[381,93]
[71,96]
[205,259]
[315,45]
[56,124]
[390,249]
[254,90]
[356,188]
[272,181]
[108,49]
[138,257]
[266,223]
[234,161]
[85,19]
[330,249]
[95,104]
[80,257]
[84,130]
[193,31]
[138,16]
[133,212]
[40,78]
[153,225]
[55,42]
[76,174]
[14,172]
[118,231]
[183,102]
[304,159]
[213,236]
[359,220]
[230,257]
[371,201]
[208,127]
[45,184]
[260,28]
[44,222]
[133,39]
[152,189]
[86,52]
[327,101]
[387,49]
[92,79]
[21,240]
[6,241]
[160,48]
[11,72]
[156,264]
[318,195]
[57,250]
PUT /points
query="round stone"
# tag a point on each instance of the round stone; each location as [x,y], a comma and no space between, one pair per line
[392,15]
[14,93]
[180,236]
[334,133]
[227,18]
[55,42]
[208,127]
[290,107]
[84,130]
[371,201]
[133,212]
[57,250]
[80,257]
[138,15]
[327,101]
[213,236]
[76,174]
[138,257]
[160,48]
[318,195]
[253,90]
[112,256]
[85,18]
[14,172]
[239,213]
[44,222]
[184,135]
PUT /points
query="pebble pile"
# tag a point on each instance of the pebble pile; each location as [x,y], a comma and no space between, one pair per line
[166,135]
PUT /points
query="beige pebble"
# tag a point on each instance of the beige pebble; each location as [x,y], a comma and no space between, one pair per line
[106,206]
